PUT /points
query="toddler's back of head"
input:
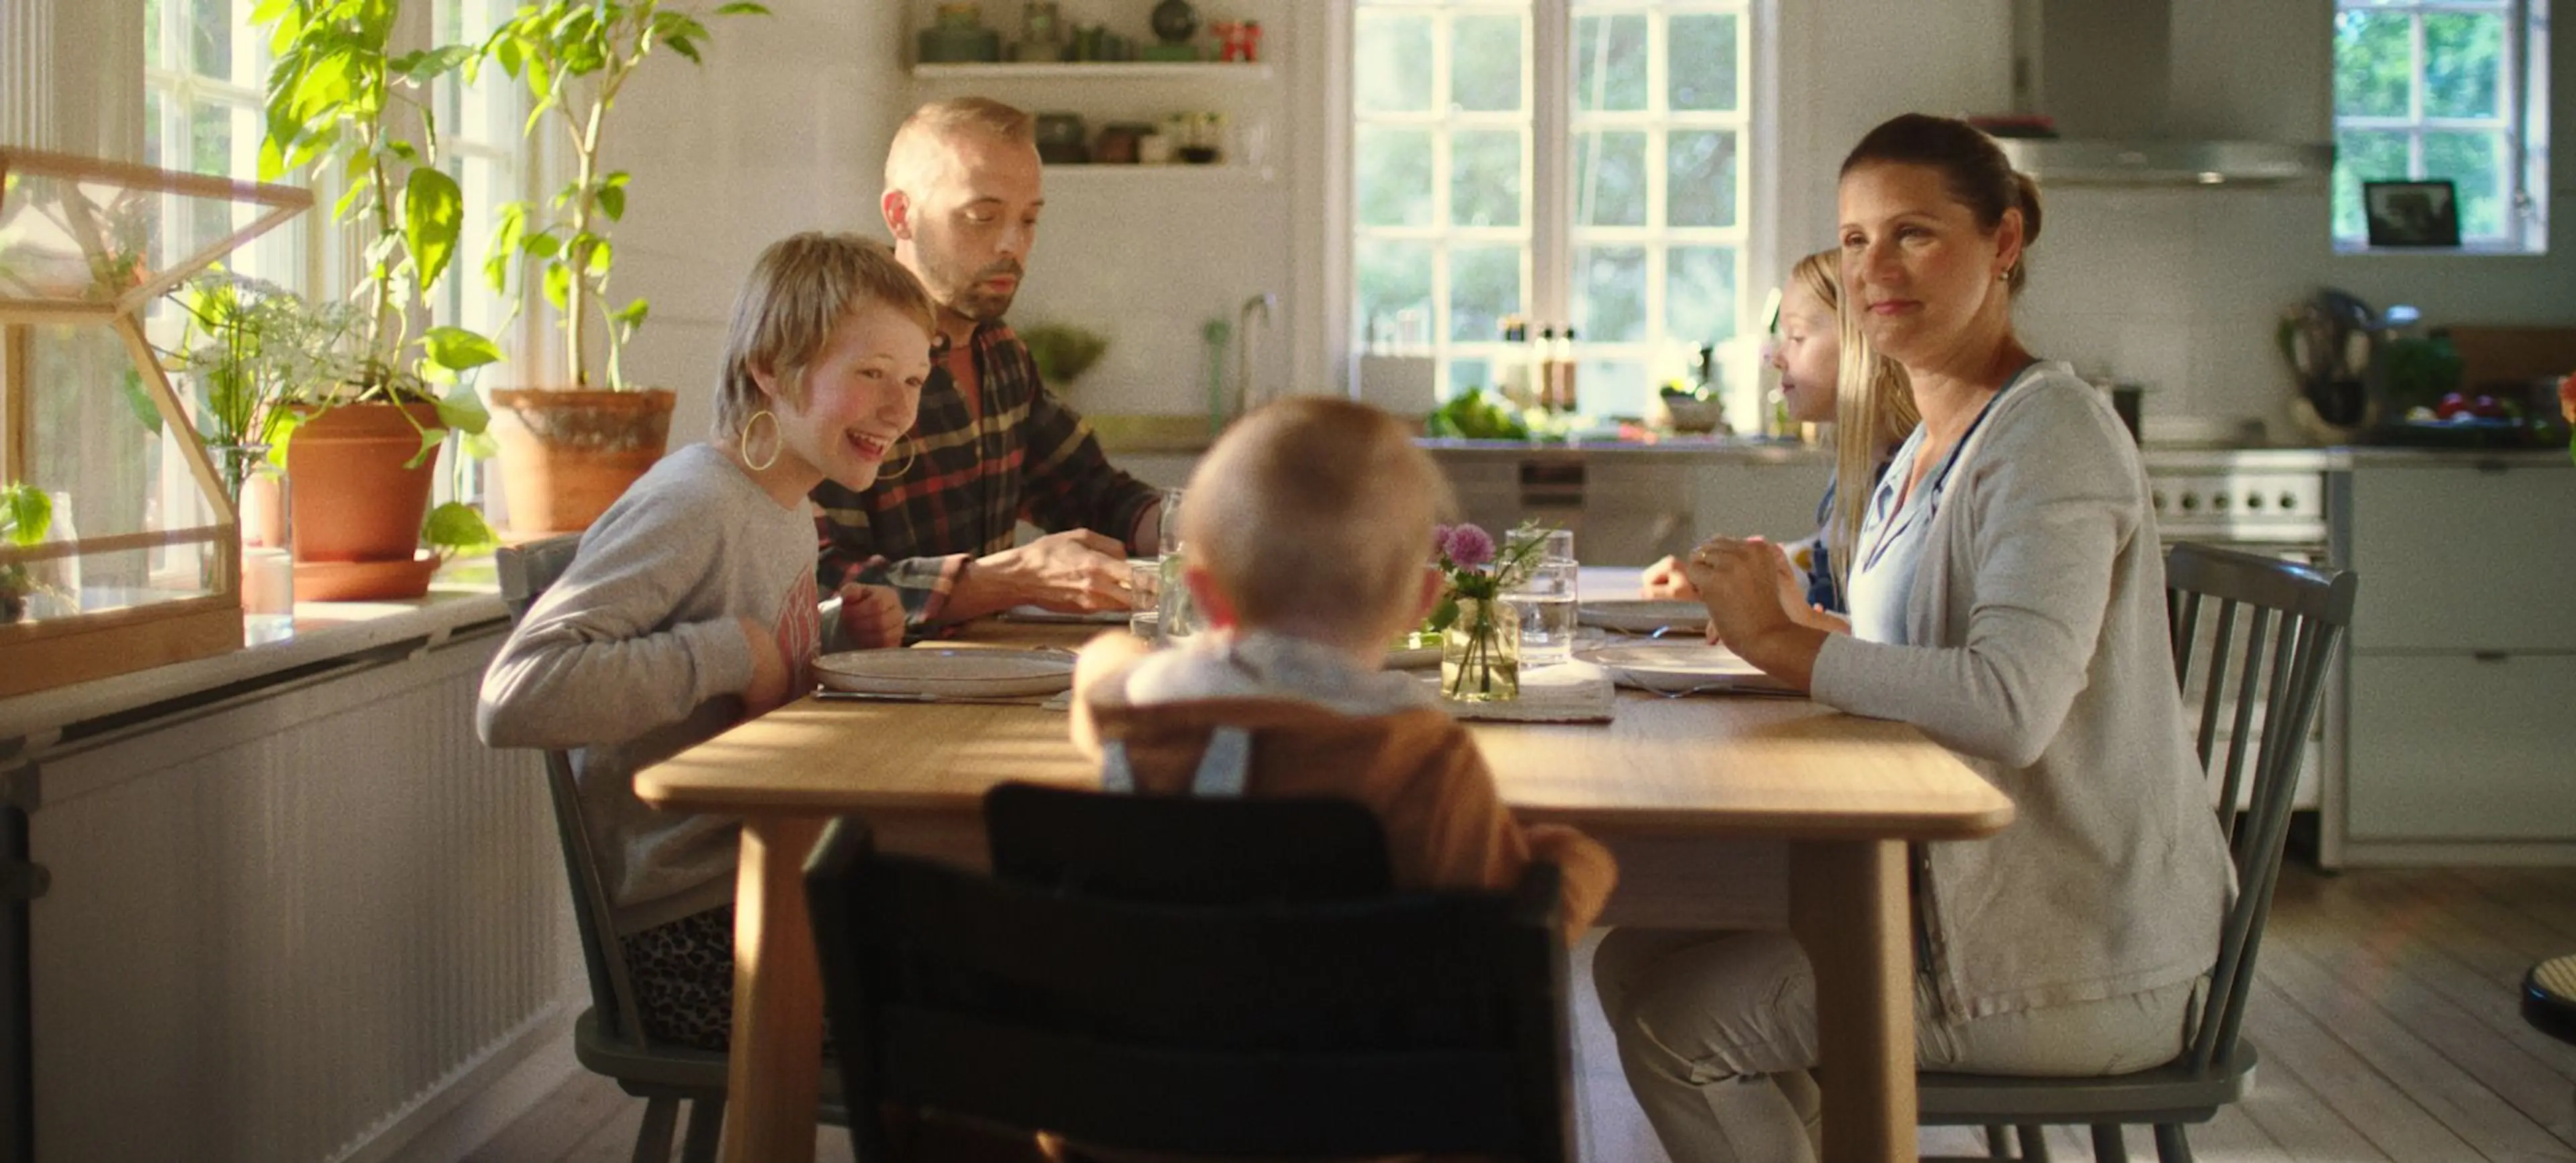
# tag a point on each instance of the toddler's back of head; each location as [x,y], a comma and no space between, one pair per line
[1314,516]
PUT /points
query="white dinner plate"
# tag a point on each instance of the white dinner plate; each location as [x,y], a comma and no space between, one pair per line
[1043,615]
[1643,615]
[1680,668]
[938,670]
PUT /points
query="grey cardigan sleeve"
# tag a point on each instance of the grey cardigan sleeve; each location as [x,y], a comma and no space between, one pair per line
[2047,502]
[601,659]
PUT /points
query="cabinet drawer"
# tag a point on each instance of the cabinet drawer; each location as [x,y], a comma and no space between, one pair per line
[2459,559]
[2458,747]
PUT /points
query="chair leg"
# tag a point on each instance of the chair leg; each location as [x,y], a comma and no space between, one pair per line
[2108,1146]
[653,1139]
[2172,1145]
[2034,1144]
[706,1130]
[1998,1141]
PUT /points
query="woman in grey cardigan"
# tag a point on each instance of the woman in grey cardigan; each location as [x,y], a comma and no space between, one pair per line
[2008,598]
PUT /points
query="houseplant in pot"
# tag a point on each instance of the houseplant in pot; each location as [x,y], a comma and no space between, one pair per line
[342,104]
[569,448]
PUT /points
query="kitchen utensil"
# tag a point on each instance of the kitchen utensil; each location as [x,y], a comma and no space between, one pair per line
[1680,668]
[1648,616]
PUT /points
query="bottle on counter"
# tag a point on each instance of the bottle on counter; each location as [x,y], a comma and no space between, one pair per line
[1512,376]
[1542,369]
[1562,396]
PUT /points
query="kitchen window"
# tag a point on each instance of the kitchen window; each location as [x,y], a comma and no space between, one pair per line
[1568,162]
[2445,89]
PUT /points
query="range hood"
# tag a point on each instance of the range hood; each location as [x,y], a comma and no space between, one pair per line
[2101,71]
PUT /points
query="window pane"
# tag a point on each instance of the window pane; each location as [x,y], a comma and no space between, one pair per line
[1393,277]
[1702,62]
[2363,156]
[1394,176]
[2374,58]
[1610,178]
[1485,63]
[1470,373]
[1610,293]
[2474,161]
[153,111]
[1699,293]
[2463,58]
[1484,286]
[1700,178]
[1610,62]
[1611,387]
[210,39]
[1391,71]
[1485,178]
[152,57]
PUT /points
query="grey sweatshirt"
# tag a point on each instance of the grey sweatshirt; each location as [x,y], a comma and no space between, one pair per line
[2041,657]
[636,653]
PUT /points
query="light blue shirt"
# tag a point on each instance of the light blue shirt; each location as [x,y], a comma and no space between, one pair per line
[1892,535]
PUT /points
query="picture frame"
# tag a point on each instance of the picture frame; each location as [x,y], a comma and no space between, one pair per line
[2412,213]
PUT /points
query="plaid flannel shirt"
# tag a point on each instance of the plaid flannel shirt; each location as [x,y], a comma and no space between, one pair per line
[1023,455]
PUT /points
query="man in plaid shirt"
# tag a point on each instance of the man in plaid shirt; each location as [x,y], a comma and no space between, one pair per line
[993,446]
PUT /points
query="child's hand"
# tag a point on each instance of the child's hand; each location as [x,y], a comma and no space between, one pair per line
[1665,579]
[871,617]
[768,687]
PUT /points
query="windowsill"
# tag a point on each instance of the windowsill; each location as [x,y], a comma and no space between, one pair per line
[329,636]
[2464,250]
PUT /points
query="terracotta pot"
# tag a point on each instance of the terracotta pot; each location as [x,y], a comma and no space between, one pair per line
[354,499]
[567,455]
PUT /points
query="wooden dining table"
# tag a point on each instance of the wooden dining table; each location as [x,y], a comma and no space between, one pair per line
[1724,812]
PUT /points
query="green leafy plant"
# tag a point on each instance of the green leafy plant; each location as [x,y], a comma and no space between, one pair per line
[575,56]
[1062,352]
[340,103]
[252,349]
[25,514]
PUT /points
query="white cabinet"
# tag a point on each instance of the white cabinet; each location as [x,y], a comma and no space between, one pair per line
[1629,506]
[2463,661]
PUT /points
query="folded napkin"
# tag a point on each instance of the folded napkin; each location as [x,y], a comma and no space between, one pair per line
[1572,692]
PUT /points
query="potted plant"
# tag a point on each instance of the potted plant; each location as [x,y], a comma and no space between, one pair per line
[571,448]
[341,103]
[25,514]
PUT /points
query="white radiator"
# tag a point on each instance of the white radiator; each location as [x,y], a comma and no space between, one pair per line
[293,928]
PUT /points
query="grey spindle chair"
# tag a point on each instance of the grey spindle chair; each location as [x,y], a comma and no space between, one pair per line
[609,1039]
[2273,633]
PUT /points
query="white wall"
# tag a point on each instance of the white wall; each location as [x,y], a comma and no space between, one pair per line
[785,129]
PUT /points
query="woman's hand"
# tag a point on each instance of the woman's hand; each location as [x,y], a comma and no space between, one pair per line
[1666,579]
[871,617]
[768,687]
[1739,581]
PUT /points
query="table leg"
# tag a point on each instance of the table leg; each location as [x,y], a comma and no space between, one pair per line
[775,1076]
[1848,907]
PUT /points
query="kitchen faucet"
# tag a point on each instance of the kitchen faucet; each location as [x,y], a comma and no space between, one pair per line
[1260,304]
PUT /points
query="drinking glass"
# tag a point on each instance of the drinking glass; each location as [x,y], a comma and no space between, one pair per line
[1144,598]
[1546,602]
[1559,545]
[1171,522]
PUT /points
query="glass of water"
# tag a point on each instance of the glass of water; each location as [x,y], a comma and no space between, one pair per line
[1546,604]
[1144,598]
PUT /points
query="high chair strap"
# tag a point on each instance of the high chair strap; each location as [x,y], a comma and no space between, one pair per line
[1221,772]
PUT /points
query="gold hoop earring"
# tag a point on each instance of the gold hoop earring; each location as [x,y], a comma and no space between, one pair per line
[897,471]
[777,446]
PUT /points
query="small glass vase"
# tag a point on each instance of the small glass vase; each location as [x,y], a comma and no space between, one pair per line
[1480,653]
[267,555]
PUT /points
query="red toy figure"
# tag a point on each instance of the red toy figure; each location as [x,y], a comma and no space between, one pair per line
[1240,40]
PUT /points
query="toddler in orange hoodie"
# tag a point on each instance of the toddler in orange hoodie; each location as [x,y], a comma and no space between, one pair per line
[1309,529]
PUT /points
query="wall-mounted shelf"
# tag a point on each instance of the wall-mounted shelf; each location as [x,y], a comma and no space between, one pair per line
[1176,172]
[1248,72]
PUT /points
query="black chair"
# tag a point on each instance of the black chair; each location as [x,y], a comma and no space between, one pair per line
[2279,672]
[609,1038]
[1296,1021]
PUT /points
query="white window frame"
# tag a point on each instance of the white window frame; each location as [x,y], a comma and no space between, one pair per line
[1548,176]
[2521,119]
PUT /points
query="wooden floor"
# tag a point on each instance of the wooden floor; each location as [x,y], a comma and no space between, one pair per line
[2386,1014]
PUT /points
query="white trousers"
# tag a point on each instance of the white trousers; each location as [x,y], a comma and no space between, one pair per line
[1717,1034]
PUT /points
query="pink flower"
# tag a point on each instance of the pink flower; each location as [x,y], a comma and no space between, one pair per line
[1468,546]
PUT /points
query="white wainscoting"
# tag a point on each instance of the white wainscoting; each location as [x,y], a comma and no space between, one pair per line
[317,922]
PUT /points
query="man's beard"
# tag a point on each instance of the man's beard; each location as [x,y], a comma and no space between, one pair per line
[982,304]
